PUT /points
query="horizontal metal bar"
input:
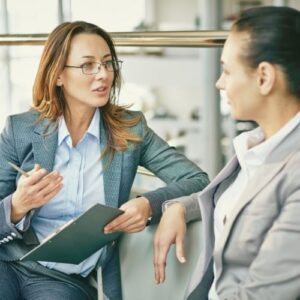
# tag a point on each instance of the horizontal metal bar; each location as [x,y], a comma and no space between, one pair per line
[140,39]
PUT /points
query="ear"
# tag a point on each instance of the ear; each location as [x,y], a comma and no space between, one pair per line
[266,75]
[59,81]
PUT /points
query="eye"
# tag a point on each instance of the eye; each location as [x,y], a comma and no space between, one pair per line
[88,65]
[109,63]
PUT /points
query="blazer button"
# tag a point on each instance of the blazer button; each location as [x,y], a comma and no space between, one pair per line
[6,240]
[13,234]
[10,237]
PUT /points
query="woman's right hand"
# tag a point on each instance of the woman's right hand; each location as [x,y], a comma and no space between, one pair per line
[34,191]
[171,229]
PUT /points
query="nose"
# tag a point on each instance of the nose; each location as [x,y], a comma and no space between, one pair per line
[220,82]
[103,73]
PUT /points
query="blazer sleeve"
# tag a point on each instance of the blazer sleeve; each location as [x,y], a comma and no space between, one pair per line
[8,178]
[191,205]
[182,176]
[274,273]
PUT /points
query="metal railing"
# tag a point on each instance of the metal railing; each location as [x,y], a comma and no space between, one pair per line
[139,39]
[192,39]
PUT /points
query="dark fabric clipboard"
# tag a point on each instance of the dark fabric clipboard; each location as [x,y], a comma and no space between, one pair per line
[77,239]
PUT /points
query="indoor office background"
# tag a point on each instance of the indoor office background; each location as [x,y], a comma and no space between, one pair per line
[173,86]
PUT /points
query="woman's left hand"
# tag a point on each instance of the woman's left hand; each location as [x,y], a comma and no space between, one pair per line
[134,219]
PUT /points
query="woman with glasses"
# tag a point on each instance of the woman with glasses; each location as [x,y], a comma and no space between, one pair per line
[251,211]
[78,147]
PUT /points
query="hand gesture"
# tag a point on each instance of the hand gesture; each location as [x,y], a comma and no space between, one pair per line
[171,230]
[34,191]
[134,219]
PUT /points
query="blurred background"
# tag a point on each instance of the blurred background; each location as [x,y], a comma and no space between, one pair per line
[173,86]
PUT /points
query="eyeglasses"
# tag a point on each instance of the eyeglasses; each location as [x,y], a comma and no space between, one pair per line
[91,68]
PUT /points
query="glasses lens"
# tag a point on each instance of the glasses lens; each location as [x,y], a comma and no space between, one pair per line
[91,68]
[113,65]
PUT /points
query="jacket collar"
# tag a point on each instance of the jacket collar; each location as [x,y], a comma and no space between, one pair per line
[273,165]
[45,139]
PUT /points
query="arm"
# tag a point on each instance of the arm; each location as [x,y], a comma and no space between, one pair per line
[18,202]
[182,176]
[7,179]
[172,230]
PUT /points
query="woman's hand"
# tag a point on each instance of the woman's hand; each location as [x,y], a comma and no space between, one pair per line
[171,229]
[134,219]
[34,191]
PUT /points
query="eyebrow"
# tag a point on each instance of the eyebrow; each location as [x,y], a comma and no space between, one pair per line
[91,56]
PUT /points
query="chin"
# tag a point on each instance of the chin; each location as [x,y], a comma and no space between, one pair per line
[100,102]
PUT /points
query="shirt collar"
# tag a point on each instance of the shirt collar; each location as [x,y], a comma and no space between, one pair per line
[252,145]
[94,128]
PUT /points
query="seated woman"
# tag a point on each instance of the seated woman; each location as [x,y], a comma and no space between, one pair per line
[250,211]
[78,147]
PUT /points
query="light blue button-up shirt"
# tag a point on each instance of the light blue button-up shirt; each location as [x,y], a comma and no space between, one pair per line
[81,169]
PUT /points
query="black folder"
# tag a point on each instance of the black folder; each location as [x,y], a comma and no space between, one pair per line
[77,239]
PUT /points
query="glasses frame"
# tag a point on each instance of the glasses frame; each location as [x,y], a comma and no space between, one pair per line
[104,64]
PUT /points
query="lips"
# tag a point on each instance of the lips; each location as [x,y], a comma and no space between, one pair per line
[100,89]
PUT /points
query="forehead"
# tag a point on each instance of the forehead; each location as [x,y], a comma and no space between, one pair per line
[234,47]
[86,44]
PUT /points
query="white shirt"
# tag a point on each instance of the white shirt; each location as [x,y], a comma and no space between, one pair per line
[251,150]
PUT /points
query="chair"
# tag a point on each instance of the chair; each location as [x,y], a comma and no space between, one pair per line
[136,260]
[137,273]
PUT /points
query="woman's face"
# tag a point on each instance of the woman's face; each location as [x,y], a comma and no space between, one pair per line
[81,90]
[238,80]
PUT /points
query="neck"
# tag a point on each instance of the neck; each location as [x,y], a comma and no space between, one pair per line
[275,117]
[78,121]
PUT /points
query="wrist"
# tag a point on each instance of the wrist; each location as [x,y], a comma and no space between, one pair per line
[175,206]
[147,206]
[16,214]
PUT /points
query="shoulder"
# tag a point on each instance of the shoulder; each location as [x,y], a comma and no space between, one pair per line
[21,125]
[135,119]
[131,114]
[26,118]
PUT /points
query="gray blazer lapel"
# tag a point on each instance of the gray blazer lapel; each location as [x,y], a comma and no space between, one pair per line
[224,173]
[207,207]
[45,144]
[263,176]
[274,163]
[111,171]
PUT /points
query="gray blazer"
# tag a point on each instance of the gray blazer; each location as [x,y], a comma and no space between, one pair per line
[258,255]
[24,143]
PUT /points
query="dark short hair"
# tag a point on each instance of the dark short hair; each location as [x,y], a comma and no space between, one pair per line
[274,38]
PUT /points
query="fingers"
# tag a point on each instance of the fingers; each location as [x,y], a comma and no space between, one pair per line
[180,253]
[52,193]
[36,189]
[35,175]
[35,168]
[161,250]
[48,182]
[171,229]
[127,222]
[134,219]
